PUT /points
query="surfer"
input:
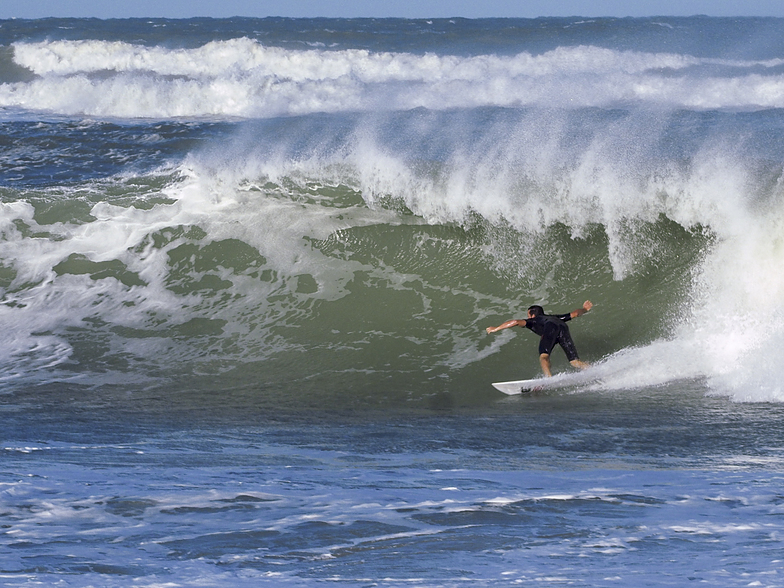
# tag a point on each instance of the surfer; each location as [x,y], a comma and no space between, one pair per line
[552,329]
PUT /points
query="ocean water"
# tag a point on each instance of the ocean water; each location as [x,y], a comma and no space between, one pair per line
[246,266]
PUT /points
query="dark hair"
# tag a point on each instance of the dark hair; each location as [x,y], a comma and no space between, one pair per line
[536,310]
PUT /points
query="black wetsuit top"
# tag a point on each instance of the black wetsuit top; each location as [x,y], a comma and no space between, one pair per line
[552,329]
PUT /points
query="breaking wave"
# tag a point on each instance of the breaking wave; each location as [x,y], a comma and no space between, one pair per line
[347,220]
[244,78]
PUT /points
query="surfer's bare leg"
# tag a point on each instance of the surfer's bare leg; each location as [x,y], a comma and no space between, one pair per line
[544,360]
[580,365]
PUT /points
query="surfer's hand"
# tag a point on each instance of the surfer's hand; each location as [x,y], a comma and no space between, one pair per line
[490,330]
[587,305]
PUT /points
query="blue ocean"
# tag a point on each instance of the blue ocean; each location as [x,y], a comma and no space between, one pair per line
[246,267]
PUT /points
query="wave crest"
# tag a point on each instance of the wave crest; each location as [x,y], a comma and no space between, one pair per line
[243,78]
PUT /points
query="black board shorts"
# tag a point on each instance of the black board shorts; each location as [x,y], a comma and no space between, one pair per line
[557,333]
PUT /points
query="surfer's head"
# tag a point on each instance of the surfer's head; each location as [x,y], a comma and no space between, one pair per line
[535,310]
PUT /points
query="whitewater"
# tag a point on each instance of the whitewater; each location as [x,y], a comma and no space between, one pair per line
[246,267]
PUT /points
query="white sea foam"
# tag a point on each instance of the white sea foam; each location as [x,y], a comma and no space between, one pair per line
[243,78]
[40,303]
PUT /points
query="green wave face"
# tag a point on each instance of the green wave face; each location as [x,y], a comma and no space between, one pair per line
[304,294]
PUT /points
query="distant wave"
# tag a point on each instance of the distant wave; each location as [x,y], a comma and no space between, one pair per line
[243,78]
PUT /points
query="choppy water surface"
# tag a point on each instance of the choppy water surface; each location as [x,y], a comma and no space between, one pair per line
[650,489]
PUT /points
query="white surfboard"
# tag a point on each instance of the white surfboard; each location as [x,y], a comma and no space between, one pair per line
[562,380]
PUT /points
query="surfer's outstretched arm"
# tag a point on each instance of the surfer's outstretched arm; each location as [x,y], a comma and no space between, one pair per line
[506,325]
[587,305]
